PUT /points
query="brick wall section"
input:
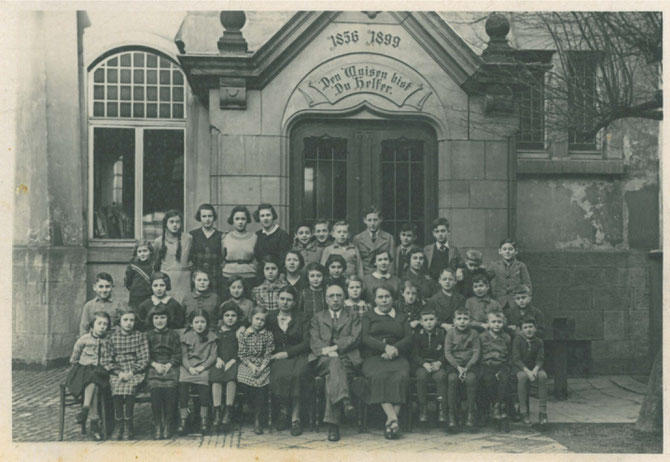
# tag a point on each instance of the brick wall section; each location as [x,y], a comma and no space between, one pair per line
[49,290]
[606,293]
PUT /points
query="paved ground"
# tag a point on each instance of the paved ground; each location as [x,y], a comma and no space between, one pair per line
[35,404]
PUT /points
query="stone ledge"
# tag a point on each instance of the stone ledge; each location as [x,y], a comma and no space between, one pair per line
[570,166]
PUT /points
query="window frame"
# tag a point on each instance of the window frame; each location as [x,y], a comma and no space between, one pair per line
[139,125]
[582,57]
[528,149]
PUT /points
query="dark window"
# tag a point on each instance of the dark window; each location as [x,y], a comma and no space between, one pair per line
[531,113]
[582,97]
[325,178]
[402,182]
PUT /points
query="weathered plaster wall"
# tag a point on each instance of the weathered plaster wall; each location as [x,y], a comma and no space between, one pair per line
[568,212]
[49,259]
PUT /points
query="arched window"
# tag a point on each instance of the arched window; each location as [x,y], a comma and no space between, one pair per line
[136,106]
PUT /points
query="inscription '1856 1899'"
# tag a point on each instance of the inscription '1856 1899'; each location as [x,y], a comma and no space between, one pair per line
[371,38]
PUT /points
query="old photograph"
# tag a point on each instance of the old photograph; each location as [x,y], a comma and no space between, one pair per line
[427,231]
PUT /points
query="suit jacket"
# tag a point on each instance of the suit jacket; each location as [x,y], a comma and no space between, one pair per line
[454,255]
[445,306]
[344,332]
[365,246]
[505,279]
[402,263]
[295,340]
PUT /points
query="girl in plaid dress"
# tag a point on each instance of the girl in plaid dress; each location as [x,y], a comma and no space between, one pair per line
[163,373]
[267,294]
[354,290]
[255,353]
[130,358]
[313,298]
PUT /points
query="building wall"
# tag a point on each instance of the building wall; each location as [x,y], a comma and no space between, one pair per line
[586,239]
[48,258]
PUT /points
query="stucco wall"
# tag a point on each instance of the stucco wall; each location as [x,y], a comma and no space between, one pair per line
[49,273]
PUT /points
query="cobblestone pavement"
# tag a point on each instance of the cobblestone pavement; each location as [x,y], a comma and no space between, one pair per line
[35,405]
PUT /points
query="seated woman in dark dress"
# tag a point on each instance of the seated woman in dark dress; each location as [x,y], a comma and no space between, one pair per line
[386,340]
[291,376]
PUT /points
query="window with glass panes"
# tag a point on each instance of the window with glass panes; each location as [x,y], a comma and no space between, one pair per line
[325,178]
[531,115]
[136,144]
[402,182]
[582,87]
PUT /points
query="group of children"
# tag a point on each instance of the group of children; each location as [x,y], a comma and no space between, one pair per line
[472,324]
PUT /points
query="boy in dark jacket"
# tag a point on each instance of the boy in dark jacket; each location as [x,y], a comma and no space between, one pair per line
[528,359]
[428,359]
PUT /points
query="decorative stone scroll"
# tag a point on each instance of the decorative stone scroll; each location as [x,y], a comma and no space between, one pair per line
[354,77]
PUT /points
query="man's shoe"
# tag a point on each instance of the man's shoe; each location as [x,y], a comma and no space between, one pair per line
[349,409]
[470,421]
[441,411]
[451,426]
[423,413]
[296,428]
[181,429]
[497,414]
[158,434]
[334,433]
[543,418]
[525,419]
[282,419]
[204,426]
[503,411]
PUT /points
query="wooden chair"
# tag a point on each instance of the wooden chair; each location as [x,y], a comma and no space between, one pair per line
[67,400]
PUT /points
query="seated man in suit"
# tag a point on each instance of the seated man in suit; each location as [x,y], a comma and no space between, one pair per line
[334,336]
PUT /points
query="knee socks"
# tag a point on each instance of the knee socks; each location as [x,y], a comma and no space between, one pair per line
[123,406]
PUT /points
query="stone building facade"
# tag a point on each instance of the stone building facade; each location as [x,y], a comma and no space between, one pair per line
[320,114]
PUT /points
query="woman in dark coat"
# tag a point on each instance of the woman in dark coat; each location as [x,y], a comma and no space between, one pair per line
[290,374]
[386,340]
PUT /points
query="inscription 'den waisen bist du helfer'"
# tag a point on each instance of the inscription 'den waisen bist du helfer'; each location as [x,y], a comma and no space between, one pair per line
[336,84]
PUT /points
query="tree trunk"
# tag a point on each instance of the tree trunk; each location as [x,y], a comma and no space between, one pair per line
[651,412]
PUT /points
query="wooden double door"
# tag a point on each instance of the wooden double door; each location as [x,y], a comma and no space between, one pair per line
[340,167]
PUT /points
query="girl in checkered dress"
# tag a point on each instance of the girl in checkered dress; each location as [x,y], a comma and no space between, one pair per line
[130,358]
[267,294]
[255,353]
[354,291]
